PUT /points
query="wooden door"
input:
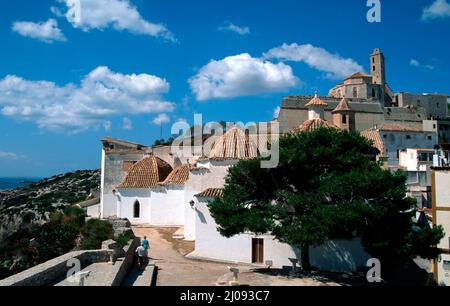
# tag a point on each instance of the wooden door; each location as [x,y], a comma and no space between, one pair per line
[257,250]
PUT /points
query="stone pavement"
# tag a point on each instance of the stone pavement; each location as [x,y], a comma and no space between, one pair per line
[174,269]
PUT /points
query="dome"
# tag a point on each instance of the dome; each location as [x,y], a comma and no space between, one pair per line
[316,101]
[313,124]
[147,173]
[234,144]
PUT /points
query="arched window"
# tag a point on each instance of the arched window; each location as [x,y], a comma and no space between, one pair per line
[344,119]
[137,209]
[355,92]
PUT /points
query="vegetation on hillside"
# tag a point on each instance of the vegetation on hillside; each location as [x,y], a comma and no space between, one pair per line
[39,221]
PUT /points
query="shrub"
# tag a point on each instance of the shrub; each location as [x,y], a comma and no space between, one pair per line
[94,233]
[123,239]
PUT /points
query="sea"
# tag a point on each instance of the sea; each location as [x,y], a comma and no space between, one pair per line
[8,183]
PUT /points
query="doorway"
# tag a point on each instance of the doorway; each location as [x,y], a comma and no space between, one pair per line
[257,250]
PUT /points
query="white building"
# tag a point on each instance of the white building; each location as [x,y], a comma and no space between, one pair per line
[392,139]
[144,187]
[441,216]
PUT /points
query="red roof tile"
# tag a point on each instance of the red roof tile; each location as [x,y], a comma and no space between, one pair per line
[148,172]
[211,193]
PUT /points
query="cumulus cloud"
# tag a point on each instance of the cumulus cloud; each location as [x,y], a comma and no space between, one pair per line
[241,75]
[127,124]
[229,27]
[335,66]
[101,94]
[161,119]
[47,31]
[415,63]
[121,15]
[438,9]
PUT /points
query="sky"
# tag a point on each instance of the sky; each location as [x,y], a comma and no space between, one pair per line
[70,75]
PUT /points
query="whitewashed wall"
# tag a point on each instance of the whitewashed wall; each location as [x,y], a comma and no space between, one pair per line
[127,198]
[108,205]
[167,206]
[94,211]
[339,256]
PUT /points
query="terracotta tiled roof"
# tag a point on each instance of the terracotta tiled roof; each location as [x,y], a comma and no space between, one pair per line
[313,124]
[375,136]
[211,193]
[234,144]
[198,168]
[343,106]
[316,101]
[178,176]
[399,128]
[358,75]
[148,172]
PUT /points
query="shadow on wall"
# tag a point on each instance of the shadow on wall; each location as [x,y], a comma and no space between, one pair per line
[201,216]
[339,256]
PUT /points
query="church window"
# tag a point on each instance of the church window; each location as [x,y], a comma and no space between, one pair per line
[344,119]
[373,68]
[137,209]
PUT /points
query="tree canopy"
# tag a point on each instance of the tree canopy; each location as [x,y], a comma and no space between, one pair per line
[325,187]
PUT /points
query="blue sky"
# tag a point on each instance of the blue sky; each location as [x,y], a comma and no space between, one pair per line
[64,83]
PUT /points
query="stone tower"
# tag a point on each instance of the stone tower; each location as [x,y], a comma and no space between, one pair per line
[344,116]
[378,72]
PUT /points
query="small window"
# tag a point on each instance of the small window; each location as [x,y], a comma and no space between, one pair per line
[355,92]
[373,68]
[429,137]
[384,136]
[137,209]
[438,105]
[434,126]
[408,136]
[111,147]
[344,119]
[373,92]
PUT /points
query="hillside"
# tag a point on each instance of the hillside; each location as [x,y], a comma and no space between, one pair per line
[33,204]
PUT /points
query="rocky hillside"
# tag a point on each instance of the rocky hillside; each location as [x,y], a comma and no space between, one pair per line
[33,204]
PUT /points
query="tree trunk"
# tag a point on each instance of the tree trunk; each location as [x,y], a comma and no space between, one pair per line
[306,265]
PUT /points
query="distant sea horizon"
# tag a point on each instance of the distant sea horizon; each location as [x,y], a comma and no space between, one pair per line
[9,183]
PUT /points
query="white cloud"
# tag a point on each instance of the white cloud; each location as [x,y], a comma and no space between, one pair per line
[119,14]
[415,63]
[44,31]
[8,155]
[101,94]
[276,112]
[161,119]
[335,66]
[241,75]
[127,124]
[438,9]
[236,29]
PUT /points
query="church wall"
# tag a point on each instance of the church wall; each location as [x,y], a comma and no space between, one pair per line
[127,198]
[112,175]
[339,256]
[166,207]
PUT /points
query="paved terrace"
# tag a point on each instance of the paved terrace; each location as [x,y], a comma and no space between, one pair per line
[176,270]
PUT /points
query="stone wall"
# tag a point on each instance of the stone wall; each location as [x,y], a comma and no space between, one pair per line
[53,270]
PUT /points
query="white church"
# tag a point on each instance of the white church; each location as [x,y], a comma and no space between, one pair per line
[152,186]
